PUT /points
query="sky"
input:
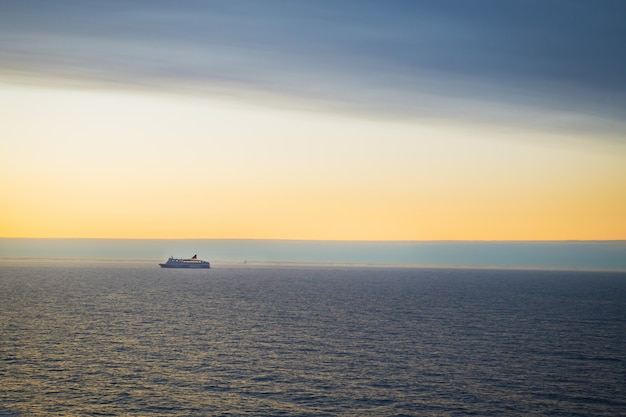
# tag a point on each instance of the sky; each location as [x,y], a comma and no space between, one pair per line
[313,120]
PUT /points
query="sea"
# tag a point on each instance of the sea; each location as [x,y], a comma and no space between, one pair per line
[81,337]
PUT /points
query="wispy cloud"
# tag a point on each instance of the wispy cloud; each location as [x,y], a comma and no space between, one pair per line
[536,61]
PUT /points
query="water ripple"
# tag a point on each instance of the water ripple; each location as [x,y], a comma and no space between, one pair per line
[103,340]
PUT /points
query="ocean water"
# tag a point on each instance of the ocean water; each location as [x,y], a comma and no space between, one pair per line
[131,339]
[596,255]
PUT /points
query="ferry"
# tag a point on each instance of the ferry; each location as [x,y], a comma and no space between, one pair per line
[192,262]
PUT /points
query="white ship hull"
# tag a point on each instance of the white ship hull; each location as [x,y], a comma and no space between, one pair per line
[192,263]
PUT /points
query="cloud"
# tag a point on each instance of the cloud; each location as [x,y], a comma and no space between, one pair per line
[403,58]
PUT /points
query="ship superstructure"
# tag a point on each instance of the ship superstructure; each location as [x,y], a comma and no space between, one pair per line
[192,262]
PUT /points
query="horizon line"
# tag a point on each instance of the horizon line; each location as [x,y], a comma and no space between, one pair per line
[321,240]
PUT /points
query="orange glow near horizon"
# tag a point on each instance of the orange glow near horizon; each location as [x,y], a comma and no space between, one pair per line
[125,165]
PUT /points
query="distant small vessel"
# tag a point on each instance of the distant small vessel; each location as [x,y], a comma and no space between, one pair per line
[192,262]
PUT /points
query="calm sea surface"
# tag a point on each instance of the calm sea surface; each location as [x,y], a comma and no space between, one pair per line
[108,339]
